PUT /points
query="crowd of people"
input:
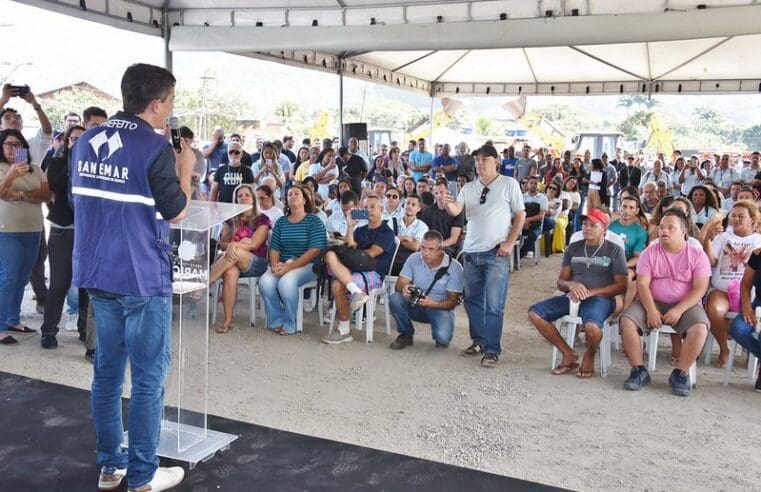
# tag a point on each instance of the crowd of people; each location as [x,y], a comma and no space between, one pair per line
[669,242]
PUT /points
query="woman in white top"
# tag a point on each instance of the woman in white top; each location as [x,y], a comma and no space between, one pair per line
[704,202]
[728,252]
[571,194]
[324,171]
[557,210]
[266,203]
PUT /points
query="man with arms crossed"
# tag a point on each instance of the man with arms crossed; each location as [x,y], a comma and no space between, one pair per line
[494,211]
[123,179]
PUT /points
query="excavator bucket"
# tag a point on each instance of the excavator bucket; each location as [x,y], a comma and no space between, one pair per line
[452,107]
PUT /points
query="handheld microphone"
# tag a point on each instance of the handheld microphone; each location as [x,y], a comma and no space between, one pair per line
[174,129]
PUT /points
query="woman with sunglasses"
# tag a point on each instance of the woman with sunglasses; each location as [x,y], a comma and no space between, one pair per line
[61,243]
[23,188]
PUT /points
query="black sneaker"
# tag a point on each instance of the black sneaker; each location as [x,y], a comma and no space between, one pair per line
[472,351]
[90,356]
[489,360]
[638,379]
[48,342]
[403,340]
[9,340]
[758,383]
[680,383]
[441,345]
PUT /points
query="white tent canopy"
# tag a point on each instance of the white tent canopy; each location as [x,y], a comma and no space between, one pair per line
[494,47]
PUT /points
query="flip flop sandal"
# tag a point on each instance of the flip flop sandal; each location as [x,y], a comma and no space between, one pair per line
[222,329]
[565,368]
[24,329]
[585,374]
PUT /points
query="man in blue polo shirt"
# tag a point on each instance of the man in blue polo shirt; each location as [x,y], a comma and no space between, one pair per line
[444,165]
[440,279]
[420,160]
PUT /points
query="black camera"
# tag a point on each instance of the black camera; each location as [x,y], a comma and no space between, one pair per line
[21,90]
[416,293]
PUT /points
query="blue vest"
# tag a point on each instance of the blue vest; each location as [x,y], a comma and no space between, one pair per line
[121,244]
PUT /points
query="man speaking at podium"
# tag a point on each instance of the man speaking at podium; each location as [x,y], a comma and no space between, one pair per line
[125,191]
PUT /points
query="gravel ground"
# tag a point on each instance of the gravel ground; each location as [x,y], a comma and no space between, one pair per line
[515,420]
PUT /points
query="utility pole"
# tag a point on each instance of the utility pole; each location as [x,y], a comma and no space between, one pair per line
[202,130]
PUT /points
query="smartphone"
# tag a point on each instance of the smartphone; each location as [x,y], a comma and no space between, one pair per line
[21,90]
[360,214]
[21,155]
[453,189]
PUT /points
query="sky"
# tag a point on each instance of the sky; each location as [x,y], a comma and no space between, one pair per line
[64,50]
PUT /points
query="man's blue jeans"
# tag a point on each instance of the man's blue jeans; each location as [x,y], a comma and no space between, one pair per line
[138,330]
[441,320]
[281,296]
[18,253]
[741,332]
[486,278]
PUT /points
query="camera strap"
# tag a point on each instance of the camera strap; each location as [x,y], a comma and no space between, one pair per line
[438,276]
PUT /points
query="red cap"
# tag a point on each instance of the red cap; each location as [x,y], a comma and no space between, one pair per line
[597,215]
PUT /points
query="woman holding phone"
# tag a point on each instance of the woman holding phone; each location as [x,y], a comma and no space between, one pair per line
[23,187]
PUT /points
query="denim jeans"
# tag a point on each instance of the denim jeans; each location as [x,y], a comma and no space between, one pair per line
[741,332]
[138,330]
[281,296]
[18,252]
[486,278]
[72,299]
[61,245]
[441,320]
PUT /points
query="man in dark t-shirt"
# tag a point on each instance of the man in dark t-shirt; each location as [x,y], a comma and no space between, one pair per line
[438,219]
[229,176]
[354,167]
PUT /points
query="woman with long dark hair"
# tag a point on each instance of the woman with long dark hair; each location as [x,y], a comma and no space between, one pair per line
[23,188]
[297,240]
[705,204]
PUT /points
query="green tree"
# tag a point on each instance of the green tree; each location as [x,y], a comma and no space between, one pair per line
[204,112]
[484,125]
[75,100]
[751,137]
[569,118]
[636,126]
[638,102]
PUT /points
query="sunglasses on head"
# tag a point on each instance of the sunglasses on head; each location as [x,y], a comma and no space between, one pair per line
[234,152]
[482,200]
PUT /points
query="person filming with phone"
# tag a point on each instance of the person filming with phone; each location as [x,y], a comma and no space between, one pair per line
[23,187]
[359,265]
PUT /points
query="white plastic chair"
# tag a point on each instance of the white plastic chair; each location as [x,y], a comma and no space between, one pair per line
[752,363]
[570,323]
[300,307]
[651,343]
[252,283]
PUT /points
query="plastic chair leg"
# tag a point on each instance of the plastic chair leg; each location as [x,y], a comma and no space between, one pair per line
[708,349]
[652,350]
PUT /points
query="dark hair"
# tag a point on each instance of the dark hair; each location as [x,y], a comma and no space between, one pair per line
[322,154]
[432,235]
[343,151]
[675,212]
[186,132]
[711,200]
[565,183]
[72,113]
[349,197]
[310,179]
[308,200]
[344,180]
[298,159]
[10,132]
[630,190]
[235,135]
[8,110]
[93,111]
[416,197]
[266,190]
[597,164]
[143,83]
[65,147]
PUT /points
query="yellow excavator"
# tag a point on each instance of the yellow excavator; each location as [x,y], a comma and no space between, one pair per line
[450,109]
[660,136]
[536,124]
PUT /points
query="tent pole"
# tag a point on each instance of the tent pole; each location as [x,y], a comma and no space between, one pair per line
[168,55]
[340,101]
[430,126]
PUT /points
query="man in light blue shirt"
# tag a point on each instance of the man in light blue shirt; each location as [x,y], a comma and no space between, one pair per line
[440,279]
[420,160]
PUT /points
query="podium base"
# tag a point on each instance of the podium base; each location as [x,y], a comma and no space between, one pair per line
[198,449]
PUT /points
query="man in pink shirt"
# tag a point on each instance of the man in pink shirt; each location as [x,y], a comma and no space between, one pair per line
[672,277]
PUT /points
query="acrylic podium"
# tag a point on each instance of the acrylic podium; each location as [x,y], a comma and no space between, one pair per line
[185,435]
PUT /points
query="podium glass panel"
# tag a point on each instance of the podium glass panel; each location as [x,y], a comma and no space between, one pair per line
[184,432]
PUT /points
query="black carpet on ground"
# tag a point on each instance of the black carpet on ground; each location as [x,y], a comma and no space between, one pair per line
[47,443]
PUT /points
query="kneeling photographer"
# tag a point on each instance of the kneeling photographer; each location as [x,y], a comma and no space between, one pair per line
[428,290]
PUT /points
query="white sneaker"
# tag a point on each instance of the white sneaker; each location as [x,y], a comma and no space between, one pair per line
[71,322]
[163,479]
[110,478]
[529,254]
